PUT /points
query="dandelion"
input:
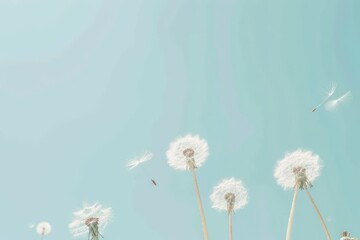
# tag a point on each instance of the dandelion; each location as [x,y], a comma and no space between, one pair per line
[334,104]
[346,236]
[298,170]
[328,95]
[137,161]
[92,219]
[229,195]
[43,228]
[188,153]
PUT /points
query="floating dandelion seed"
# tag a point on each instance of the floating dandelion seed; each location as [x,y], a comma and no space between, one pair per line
[334,104]
[187,153]
[43,228]
[229,195]
[328,95]
[298,170]
[92,220]
[137,161]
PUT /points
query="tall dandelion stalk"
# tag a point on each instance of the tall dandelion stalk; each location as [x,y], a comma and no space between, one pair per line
[229,195]
[297,170]
[188,153]
[291,216]
[91,220]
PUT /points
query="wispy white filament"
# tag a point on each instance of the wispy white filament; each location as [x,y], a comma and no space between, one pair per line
[78,226]
[284,170]
[333,105]
[175,154]
[328,95]
[137,161]
[229,186]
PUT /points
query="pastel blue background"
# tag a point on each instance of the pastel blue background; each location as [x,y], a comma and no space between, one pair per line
[87,85]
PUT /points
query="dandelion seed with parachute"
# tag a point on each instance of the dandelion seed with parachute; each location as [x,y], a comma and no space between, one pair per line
[188,153]
[133,163]
[91,220]
[297,170]
[328,95]
[43,229]
[229,195]
[333,105]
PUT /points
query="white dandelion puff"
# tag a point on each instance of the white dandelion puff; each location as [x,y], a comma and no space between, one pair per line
[299,166]
[43,228]
[333,105]
[298,170]
[229,195]
[32,225]
[188,153]
[139,160]
[346,236]
[91,219]
[328,95]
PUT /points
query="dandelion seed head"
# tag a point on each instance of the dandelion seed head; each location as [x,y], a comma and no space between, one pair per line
[229,195]
[88,215]
[187,152]
[43,228]
[301,167]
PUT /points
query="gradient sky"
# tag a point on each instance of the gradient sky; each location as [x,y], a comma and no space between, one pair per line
[87,85]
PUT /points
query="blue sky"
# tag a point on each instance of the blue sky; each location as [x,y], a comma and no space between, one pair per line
[87,85]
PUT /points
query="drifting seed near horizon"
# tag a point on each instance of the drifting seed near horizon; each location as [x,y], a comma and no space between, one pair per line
[328,95]
[91,219]
[333,105]
[139,160]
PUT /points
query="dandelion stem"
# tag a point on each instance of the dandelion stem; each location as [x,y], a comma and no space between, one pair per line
[288,231]
[202,214]
[319,215]
[230,226]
